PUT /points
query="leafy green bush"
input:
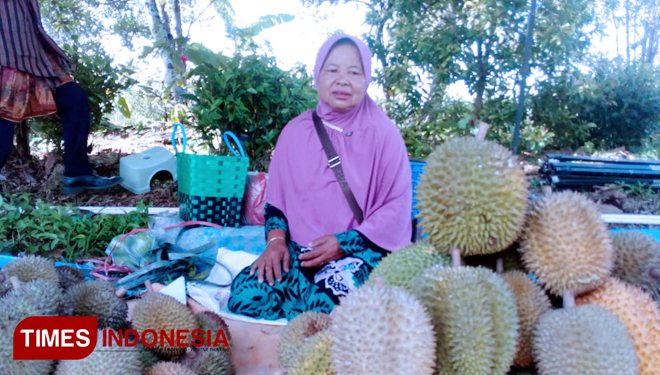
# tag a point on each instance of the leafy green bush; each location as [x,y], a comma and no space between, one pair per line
[616,105]
[248,95]
[41,229]
[102,83]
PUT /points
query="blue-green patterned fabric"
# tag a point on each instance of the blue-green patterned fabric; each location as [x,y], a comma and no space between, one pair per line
[304,289]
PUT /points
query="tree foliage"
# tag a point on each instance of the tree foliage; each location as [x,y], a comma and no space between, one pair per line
[616,104]
[102,83]
[248,95]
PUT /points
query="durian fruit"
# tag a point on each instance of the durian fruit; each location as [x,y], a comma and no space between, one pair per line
[473,195]
[376,319]
[638,313]
[213,362]
[475,319]
[31,267]
[169,368]
[209,320]
[69,276]
[400,267]
[297,332]
[157,311]
[531,303]
[98,298]
[9,366]
[147,357]
[583,340]
[34,298]
[313,357]
[108,359]
[566,244]
[635,255]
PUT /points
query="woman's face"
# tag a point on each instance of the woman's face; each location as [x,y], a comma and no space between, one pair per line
[342,82]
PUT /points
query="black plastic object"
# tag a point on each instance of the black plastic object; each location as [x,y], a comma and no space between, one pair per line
[585,172]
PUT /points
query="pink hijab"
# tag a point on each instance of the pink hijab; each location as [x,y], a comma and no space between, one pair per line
[374,160]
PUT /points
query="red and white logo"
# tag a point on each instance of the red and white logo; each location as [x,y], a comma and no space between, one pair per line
[55,337]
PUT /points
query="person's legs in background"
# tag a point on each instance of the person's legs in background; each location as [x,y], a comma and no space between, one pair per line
[73,110]
[6,143]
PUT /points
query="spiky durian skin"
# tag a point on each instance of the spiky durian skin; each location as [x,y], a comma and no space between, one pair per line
[31,267]
[9,366]
[400,267]
[566,244]
[638,313]
[475,319]
[531,303]
[169,368]
[157,311]
[34,298]
[209,320]
[297,332]
[583,340]
[314,357]
[69,276]
[472,195]
[372,320]
[97,298]
[634,255]
[108,359]
[147,357]
[213,362]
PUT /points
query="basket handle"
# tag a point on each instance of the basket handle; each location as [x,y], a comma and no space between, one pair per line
[185,140]
[238,143]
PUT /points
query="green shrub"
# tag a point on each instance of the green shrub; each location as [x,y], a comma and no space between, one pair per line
[616,105]
[248,95]
[38,228]
[102,83]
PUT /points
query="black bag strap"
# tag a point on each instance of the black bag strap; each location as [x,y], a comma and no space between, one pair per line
[334,162]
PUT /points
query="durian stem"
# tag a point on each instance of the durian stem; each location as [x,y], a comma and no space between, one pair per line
[483,130]
[499,266]
[121,292]
[455,257]
[15,282]
[569,299]
[150,288]
[654,272]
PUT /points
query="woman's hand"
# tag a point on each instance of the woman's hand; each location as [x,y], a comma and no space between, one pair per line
[271,261]
[326,249]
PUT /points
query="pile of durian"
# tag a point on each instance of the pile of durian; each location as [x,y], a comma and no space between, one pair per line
[33,286]
[505,282]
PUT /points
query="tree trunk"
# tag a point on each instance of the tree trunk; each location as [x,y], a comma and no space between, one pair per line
[651,35]
[616,33]
[628,31]
[23,140]
[178,27]
[160,31]
[480,87]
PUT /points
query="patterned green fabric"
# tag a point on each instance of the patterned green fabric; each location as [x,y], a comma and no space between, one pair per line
[298,291]
[274,219]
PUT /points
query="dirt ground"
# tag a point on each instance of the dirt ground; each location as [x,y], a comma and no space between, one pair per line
[41,176]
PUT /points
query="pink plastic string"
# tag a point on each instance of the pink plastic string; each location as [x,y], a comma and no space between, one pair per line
[106,267]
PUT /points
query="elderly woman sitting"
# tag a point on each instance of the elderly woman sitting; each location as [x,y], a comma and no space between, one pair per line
[322,240]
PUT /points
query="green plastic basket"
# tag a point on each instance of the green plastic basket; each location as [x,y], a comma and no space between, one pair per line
[211,187]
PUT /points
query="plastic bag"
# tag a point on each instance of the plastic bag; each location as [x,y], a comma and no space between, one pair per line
[134,251]
[254,199]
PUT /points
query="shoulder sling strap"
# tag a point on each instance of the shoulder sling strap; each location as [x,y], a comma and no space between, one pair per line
[334,162]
